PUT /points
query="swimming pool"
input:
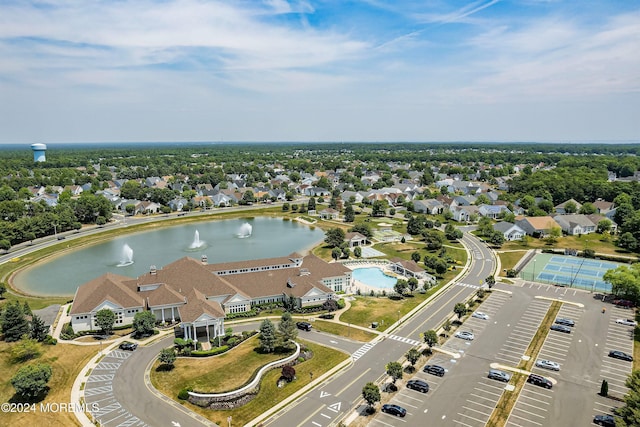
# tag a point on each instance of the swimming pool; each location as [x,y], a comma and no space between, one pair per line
[373,276]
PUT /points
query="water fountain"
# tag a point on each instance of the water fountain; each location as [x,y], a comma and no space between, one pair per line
[197,243]
[126,257]
[245,230]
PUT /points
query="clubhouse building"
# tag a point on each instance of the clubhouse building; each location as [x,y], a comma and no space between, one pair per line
[199,295]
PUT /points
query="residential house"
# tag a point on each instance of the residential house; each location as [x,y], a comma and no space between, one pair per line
[464,213]
[603,207]
[410,268]
[493,211]
[537,226]
[559,209]
[575,224]
[509,231]
[428,206]
[355,239]
[329,213]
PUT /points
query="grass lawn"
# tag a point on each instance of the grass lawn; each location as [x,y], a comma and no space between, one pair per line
[343,330]
[593,241]
[323,360]
[383,310]
[213,374]
[66,362]
[508,260]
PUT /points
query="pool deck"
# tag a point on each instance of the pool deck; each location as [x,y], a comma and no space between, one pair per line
[364,288]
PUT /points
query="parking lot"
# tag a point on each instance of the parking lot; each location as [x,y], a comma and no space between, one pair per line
[466,397]
[99,389]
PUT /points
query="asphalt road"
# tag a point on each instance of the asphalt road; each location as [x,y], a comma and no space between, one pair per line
[341,394]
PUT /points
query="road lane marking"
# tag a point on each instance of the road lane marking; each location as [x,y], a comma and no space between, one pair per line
[352,382]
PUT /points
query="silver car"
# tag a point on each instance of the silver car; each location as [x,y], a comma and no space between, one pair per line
[480,315]
[547,364]
[496,374]
[465,335]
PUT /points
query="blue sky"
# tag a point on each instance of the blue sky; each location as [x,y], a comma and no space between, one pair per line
[277,70]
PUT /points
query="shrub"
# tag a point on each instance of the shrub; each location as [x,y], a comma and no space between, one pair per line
[288,373]
[49,340]
[212,352]
[183,394]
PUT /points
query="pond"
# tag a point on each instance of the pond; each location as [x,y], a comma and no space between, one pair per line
[132,255]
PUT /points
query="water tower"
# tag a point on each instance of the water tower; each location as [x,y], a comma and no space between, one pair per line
[39,152]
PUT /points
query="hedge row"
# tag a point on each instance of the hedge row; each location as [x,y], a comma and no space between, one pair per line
[212,352]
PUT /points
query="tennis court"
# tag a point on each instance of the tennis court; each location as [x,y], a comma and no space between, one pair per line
[582,273]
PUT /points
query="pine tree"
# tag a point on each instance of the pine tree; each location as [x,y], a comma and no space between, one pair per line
[14,323]
[26,309]
[38,329]
[288,330]
[268,338]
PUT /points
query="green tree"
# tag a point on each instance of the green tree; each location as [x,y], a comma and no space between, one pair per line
[364,229]
[400,287]
[3,289]
[451,232]
[413,284]
[143,323]
[25,349]
[285,207]
[460,309]
[349,214]
[434,239]
[38,329]
[357,252]
[625,281]
[415,256]
[334,237]
[379,208]
[496,238]
[30,381]
[26,309]
[446,326]
[430,337]
[105,319]
[336,253]
[167,357]
[490,281]
[13,322]
[311,204]
[371,394]
[394,370]
[630,412]
[413,355]
[628,242]
[288,330]
[604,226]
[268,338]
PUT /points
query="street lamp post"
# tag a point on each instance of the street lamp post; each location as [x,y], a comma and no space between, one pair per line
[398,316]
[534,270]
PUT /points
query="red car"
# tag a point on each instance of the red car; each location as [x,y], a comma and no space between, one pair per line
[623,303]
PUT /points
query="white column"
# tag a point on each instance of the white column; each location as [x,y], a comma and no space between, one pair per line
[173,316]
[184,331]
[195,335]
[207,324]
[163,315]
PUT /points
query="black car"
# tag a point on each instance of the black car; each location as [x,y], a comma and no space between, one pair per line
[392,409]
[130,346]
[564,321]
[617,354]
[418,385]
[305,326]
[434,370]
[561,328]
[539,380]
[604,420]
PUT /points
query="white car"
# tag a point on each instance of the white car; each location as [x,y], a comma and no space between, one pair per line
[480,315]
[547,364]
[468,336]
[627,322]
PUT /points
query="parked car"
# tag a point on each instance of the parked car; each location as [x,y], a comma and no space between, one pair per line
[548,364]
[392,409]
[623,303]
[617,354]
[465,335]
[434,370]
[564,321]
[480,315]
[627,322]
[539,380]
[418,385]
[305,326]
[604,420]
[130,346]
[561,328]
[496,374]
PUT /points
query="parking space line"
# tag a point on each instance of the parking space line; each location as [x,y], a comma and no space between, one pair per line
[405,403]
[411,397]
[537,394]
[529,412]
[524,419]
[475,410]
[474,419]
[520,402]
[461,423]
